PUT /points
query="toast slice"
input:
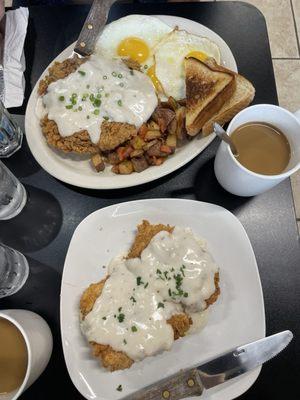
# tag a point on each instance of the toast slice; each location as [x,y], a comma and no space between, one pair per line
[241,98]
[208,87]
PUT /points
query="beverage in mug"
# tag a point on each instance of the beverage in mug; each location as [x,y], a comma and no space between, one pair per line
[13,357]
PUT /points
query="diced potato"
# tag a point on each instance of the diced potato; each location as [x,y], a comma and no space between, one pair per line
[140,164]
[171,141]
[136,153]
[125,167]
[172,127]
[137,143]
[154,134]
[152,125]
[115,169]
[149,144]
[98,163]
[143,130]
[166,149]
[113,158]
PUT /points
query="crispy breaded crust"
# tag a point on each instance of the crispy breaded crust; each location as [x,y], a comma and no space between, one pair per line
[181,324]
[59,70]
[111,359]
[89,297]
[79,142]
[145,232]
[213,298]
[115,133]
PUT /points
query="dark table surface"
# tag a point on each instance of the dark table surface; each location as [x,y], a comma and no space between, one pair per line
[44,229]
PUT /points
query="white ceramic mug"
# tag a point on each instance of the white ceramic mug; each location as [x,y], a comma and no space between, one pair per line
[38,339]
[237,179]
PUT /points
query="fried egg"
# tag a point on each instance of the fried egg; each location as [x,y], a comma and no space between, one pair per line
[169,54]
[133,37]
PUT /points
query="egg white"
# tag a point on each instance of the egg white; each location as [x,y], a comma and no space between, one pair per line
[150,29]
[169,59]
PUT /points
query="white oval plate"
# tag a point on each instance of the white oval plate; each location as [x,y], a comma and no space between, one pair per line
[236,318]
[77,171]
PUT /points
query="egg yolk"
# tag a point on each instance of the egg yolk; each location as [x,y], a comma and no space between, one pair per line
[156,82]
[199,55]
[134,48]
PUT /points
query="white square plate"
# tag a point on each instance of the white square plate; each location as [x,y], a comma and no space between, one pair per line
[236,318]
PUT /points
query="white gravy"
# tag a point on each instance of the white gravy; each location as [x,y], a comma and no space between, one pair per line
[175,274]
[99,90]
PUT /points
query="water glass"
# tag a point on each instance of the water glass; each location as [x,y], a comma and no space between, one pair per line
[14,270]
[11,134]
[12,194]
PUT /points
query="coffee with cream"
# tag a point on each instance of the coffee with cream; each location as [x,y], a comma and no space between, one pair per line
[262,148]
[13,357]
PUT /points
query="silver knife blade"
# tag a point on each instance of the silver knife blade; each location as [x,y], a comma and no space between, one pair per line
[242,359]
[192,382]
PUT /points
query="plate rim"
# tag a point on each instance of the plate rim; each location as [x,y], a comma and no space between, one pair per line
[152,202]
[88,182]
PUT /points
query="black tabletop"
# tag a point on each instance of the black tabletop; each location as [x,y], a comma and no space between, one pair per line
[44,229]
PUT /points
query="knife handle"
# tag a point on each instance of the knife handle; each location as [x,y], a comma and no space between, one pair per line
[93,24]
[178,386]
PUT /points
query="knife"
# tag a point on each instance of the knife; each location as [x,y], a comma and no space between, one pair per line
[93,26]
[237,361]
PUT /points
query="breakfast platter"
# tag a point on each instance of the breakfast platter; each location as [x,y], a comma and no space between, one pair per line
[240,290]
[76,169]
[155,291]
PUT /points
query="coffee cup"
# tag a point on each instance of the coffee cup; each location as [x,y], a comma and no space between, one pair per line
[38,340]
[237,179]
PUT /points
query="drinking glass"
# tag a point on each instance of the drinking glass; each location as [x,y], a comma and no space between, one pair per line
[12,194]
[11,134]
[14,270]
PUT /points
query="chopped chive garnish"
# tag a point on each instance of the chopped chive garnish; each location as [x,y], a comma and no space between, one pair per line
[122,84]
[145,66]
[106,118]
[97,103]
[120,103]
[186,294]
[170,293]
[133,299]
[119,388]
[131,72]
[92,97]
[96,112]
[125,341]
[61,98]
[158,271]
[79,108]
[87,117]
[172,269]
[134,328]
[88,86]
[182,271]
[121,317]
[104,318]
[68,107]
[120,309]
[82,73]
[120,76]
[146,285]
[105,77]
[160,305]
[98,95]
[139,281]
[74,95]
[114,74]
